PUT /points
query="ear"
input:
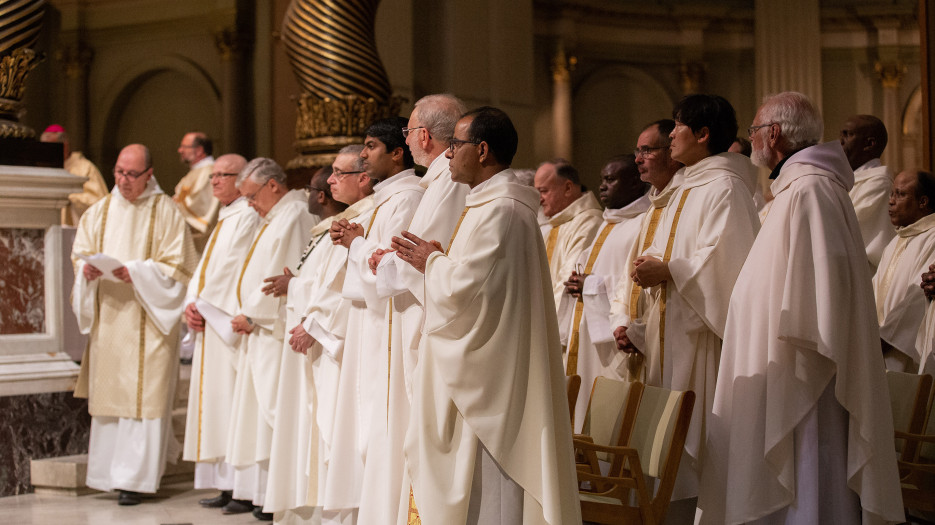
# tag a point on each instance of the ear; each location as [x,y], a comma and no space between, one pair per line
[321,198]
[870,143]
[483,153]
[703,135]
[924,202]
[398,155]
[424,142]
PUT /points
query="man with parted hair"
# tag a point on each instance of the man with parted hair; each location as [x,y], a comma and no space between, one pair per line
[801,430]
[863,138]
[211,303]
[193,193]
[131,313]
[900,301]
[574,216]
[282,233]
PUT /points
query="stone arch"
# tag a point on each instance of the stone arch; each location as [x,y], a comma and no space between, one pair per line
[911,129]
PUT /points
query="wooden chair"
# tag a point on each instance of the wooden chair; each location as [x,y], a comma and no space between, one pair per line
[572,387]
[611,413]
[916,427]
[909,396]
[655,450]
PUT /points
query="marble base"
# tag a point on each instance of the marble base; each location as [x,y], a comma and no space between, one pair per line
[39,426]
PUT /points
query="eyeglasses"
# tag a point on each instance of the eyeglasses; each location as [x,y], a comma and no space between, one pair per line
[131,174]
[406,131]
[453,145]
[647,152]
[214,175]
[752,129]
[309,188]
[252,198]
[189,146]
[338,174]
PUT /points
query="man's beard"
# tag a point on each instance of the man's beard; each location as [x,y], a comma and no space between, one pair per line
[760,157]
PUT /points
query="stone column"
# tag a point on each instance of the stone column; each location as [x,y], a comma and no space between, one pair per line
[76,62]
[787,40]
[927,44]
[562,145]
[234,49]
[890,75]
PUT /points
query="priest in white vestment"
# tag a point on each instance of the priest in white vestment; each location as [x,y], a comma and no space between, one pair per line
[584,311]
[193,192]
[900,301]
[661,171]
[133,257]
[688,271]
[574,217]
[363,410]
[863,138]
[801,430]
[429,131]
[94,188]
[489,438]
[211,303]
[282,235]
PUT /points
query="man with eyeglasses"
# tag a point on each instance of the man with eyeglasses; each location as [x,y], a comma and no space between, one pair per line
[283,234]
[193,193]
[365,417]
[574,217]
[131,313]
[584,311]
[801,429]
[863,138]
[211,303]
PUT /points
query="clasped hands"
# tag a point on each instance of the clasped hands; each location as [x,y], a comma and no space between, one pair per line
[649,271]
[413,250]
[344,232]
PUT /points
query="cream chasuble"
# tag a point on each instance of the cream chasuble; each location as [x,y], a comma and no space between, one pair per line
[572,231]
[362,406]
[900,303]
[584,324]
[801,316]
[280,241]
[873,183]
[94,188]
[705,232]
[214,364]
[197,202]
[485,379]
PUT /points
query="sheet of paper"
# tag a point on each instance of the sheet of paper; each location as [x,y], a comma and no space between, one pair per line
[105,263]
[220,322]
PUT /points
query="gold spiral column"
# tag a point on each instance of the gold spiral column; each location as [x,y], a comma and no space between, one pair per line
[20,22]
[333,54]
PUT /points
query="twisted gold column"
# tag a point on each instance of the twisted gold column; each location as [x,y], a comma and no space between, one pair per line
[331,47]
[20,22]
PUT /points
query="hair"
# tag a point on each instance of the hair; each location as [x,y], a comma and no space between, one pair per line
[389,131]
[493,126]
[354,149]
[322,176]
[925,187]
[200,139]
[871,126]
[439,114]
[147,157]
[746,148]
[262,170]
[665,126]
[798,119]
[525,176]
[709,111]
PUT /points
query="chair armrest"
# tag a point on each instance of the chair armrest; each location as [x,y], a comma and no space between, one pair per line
[918,438]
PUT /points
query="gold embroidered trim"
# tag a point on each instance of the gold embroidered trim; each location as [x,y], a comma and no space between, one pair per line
[373,218]
[665,284]
[572,367]
[204,264]
[550,243]
[201,371]
[457,227]
[413,516]
[389,361]
[142,359]
[650,236]
[100,239]
[247,261]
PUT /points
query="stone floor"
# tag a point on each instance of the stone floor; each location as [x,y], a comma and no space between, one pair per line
[175,504]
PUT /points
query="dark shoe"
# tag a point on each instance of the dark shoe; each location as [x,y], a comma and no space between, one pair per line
[218,501]
[237,506]
[185,360]
[128,497]
[262,516]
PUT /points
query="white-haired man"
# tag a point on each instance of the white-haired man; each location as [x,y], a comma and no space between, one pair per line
[801,429]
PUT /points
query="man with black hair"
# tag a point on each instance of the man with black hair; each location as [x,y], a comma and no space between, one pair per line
[489,438]
[193,193]
[688,271]
[863,138]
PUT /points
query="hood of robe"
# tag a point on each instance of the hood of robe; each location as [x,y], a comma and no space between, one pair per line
[713,167]
[509,189]
[829,158]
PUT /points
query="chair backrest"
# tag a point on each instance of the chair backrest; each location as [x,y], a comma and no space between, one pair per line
[611,412]
[909,398]
[572,387]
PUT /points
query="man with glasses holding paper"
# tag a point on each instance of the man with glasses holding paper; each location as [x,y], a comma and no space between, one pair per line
[133,256]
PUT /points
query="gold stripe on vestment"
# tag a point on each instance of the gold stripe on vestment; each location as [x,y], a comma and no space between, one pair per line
[650,235]
[457,227]
[100,239]
[142,353]
[413,516]
[665,284]
[373,217]
[550,243]
[389,361]
[247,261]
[572,367]
[201,371]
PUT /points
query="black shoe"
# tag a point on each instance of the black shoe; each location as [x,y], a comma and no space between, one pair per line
[262,516]
[186,360]
[237,506]
[128,497]
[218,501]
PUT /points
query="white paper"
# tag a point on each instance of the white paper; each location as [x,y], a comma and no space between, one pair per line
[219,321]
[105,263]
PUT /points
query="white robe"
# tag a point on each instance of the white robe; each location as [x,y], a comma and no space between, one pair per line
[573,229]
[715,230]
[597,351]
[900,302]
[362,389]
[801,316]
[873,183]
[485,380]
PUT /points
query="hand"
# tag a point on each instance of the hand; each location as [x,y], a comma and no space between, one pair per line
[91,272]
[344,233]
[193,318]
[123,274]
[241,325]
[649,271]
[375,259]
[928,282]
[574,284]
[414,250]
[623,342]
[300,340]
[278,284]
